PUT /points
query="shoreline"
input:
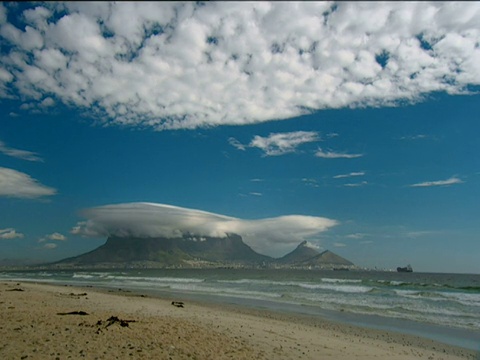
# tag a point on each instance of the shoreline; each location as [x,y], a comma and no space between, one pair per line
[198,330]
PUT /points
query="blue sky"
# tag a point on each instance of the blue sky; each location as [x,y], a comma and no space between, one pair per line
[240,118]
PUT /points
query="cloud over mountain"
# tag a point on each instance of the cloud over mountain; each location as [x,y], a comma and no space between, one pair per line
[187,65]
[271,236]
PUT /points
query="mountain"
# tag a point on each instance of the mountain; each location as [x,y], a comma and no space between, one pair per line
[301,253]
[327,258]
[306,256]
[196,252]
[187,251]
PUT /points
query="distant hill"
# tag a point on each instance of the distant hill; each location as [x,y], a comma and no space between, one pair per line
[327,258]
[195,251]
[301,253]
[306,256]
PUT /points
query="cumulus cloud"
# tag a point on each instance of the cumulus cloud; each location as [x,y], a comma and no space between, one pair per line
[447,182]
[57,236]
[310,182]
[313,246]
[352,174]
[14,183]
[336,155]
[9,234]
[54,236]
[19,154]
[237,144]
[50,246]
[283,143]
[187,64]
[278,143]
[271,236]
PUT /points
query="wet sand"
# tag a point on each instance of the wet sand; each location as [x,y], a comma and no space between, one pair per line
[40,321]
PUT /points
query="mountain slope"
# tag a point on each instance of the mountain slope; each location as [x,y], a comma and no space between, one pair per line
[301,253]
[327,258]
[305,255]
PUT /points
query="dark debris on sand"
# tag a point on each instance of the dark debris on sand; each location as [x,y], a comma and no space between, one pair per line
[83,313]
[178,304]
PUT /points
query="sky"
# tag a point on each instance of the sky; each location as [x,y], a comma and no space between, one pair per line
[352,125]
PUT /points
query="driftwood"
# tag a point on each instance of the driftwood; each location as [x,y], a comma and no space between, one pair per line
[15,289]
[177,304]
[73,313]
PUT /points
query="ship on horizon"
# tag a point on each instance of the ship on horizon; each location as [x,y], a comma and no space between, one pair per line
[407,268]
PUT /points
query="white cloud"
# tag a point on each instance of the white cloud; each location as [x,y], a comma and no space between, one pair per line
[356,236]
[310,182]
[19,154]
[256,194]
[49,246]
[272,236]
[312,246]
[278,143]
[47,102]
[185,65]
[237,144]
[352,174]
[283,143]
[363,183]
[414,137]
[336,155]
[10,233]
[417,234]
[20,185]
[338,244]
[54,236]
[57,236]
[451,181]
[3,14]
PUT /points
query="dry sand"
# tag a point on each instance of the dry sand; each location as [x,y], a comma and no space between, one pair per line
[31,328]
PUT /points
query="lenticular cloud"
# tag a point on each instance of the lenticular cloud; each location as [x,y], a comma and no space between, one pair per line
[188,65]
[270,236]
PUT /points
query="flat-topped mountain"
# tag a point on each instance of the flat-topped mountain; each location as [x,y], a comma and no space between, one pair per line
[195,251]
[182,251]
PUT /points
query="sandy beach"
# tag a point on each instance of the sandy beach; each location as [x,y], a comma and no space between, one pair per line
[41,321]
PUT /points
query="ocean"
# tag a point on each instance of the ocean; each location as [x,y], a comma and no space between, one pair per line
[444,307]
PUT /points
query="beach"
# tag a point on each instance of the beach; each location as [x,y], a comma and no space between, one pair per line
[65,322]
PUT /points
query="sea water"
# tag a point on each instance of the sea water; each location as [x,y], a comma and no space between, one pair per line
[444,307]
